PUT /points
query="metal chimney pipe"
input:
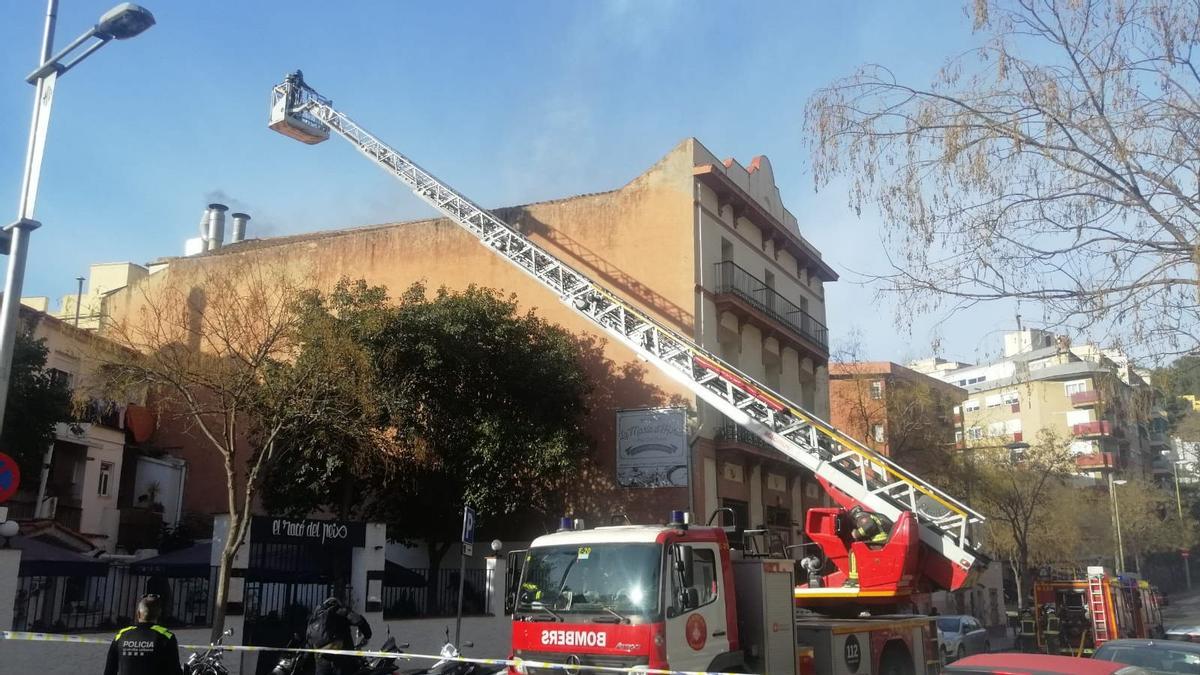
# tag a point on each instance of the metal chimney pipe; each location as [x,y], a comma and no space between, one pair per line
[216,226]
[239,227]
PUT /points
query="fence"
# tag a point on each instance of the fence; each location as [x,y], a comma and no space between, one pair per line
[412,601]
[72,603]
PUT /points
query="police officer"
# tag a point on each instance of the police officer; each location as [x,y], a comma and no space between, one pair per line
[144,648]
[869,528]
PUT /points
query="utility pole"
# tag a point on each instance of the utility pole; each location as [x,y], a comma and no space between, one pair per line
[78,299]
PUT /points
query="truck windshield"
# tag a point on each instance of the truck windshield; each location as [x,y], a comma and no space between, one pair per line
[621,578]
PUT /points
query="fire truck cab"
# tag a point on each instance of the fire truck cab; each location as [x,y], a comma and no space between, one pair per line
[679,596]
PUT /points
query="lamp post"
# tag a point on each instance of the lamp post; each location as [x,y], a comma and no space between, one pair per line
[122,22]
[1116,517]
[1187,570]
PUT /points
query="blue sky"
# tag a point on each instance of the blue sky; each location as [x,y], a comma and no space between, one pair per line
[511,102]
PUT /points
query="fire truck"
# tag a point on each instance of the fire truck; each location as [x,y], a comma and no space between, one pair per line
[1093,608]
[747,611]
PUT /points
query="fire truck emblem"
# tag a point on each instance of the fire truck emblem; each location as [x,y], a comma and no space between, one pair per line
[697,632]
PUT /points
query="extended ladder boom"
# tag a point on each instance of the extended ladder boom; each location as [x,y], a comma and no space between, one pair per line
[838,460]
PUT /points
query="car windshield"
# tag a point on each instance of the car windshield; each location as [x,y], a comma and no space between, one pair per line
[604,578]
[948,625]
[1160,658]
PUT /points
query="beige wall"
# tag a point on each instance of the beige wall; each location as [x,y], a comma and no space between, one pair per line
[653,241]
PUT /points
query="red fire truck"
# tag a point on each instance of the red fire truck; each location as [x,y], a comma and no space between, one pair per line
[1093,608]
[686,597]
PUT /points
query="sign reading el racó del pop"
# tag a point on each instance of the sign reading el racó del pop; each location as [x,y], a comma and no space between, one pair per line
[652,448]
[271,530]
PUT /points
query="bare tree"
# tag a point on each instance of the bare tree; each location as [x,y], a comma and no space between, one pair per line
[217,354]
[1057,163]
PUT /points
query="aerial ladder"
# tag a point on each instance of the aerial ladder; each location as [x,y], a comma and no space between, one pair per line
[852,473]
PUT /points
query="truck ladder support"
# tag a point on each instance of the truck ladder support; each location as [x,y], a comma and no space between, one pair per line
[300,112]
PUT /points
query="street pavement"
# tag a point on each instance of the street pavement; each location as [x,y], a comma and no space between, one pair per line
[1183,610]
[426,636]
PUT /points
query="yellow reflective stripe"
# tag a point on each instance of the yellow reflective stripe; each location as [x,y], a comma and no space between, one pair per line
[162,631]
[123,631]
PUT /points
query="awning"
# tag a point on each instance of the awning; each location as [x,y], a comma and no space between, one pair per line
[43,559]
[399,575]
[193,561]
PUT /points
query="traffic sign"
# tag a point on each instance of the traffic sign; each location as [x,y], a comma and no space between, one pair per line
[10,477]
[468,533]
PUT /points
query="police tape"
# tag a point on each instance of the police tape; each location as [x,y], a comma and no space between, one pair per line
[513,662]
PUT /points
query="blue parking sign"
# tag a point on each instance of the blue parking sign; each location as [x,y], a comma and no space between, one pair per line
[468,534]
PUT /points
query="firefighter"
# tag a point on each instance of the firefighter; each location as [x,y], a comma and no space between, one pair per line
[869,528]
[1027,635]
[1052,630]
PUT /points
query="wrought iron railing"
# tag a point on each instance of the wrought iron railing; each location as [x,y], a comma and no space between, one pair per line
[733,279]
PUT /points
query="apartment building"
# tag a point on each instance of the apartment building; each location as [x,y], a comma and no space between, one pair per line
[894,410]
[1089,396]
[704,245]
[96,472]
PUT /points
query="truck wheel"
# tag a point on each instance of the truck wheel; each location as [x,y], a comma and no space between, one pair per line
[895,660]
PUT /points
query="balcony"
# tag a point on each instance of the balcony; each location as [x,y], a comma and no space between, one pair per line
[1095,462]
[730,432]
[737,282]
[1085,399]
[1098,428]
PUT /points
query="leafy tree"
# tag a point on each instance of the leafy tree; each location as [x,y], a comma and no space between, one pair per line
[1056,163]
[1020,494]
[37,401]
[478,405]
[1149,521]
[218,356]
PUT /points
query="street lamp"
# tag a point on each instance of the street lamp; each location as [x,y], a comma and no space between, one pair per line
[1116,516]
[1187,570]
[119,23]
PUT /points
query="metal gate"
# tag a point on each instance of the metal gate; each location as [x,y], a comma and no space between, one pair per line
[284,583]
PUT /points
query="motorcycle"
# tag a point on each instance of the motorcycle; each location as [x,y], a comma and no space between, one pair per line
[208,663]
[449,666]
[302,663]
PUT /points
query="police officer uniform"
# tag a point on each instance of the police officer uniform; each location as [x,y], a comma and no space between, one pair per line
[144,648]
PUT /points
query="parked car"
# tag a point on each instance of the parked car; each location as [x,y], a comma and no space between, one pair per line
[1185,633]
[1038,664]
[960,635]
[1157,656]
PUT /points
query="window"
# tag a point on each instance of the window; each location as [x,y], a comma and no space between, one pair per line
[62,377]
[1010,397]
[958,436]
[957,410]
[1012,427]
[704,575]
[970,406]
[726,250]
[994,401]
[877,432]
[1076,387]
[995,429]
[877,389]
[974,433]
[102,488]
[1078,417]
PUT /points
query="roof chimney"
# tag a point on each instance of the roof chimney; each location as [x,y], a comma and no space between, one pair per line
[216,226]
[239,227]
